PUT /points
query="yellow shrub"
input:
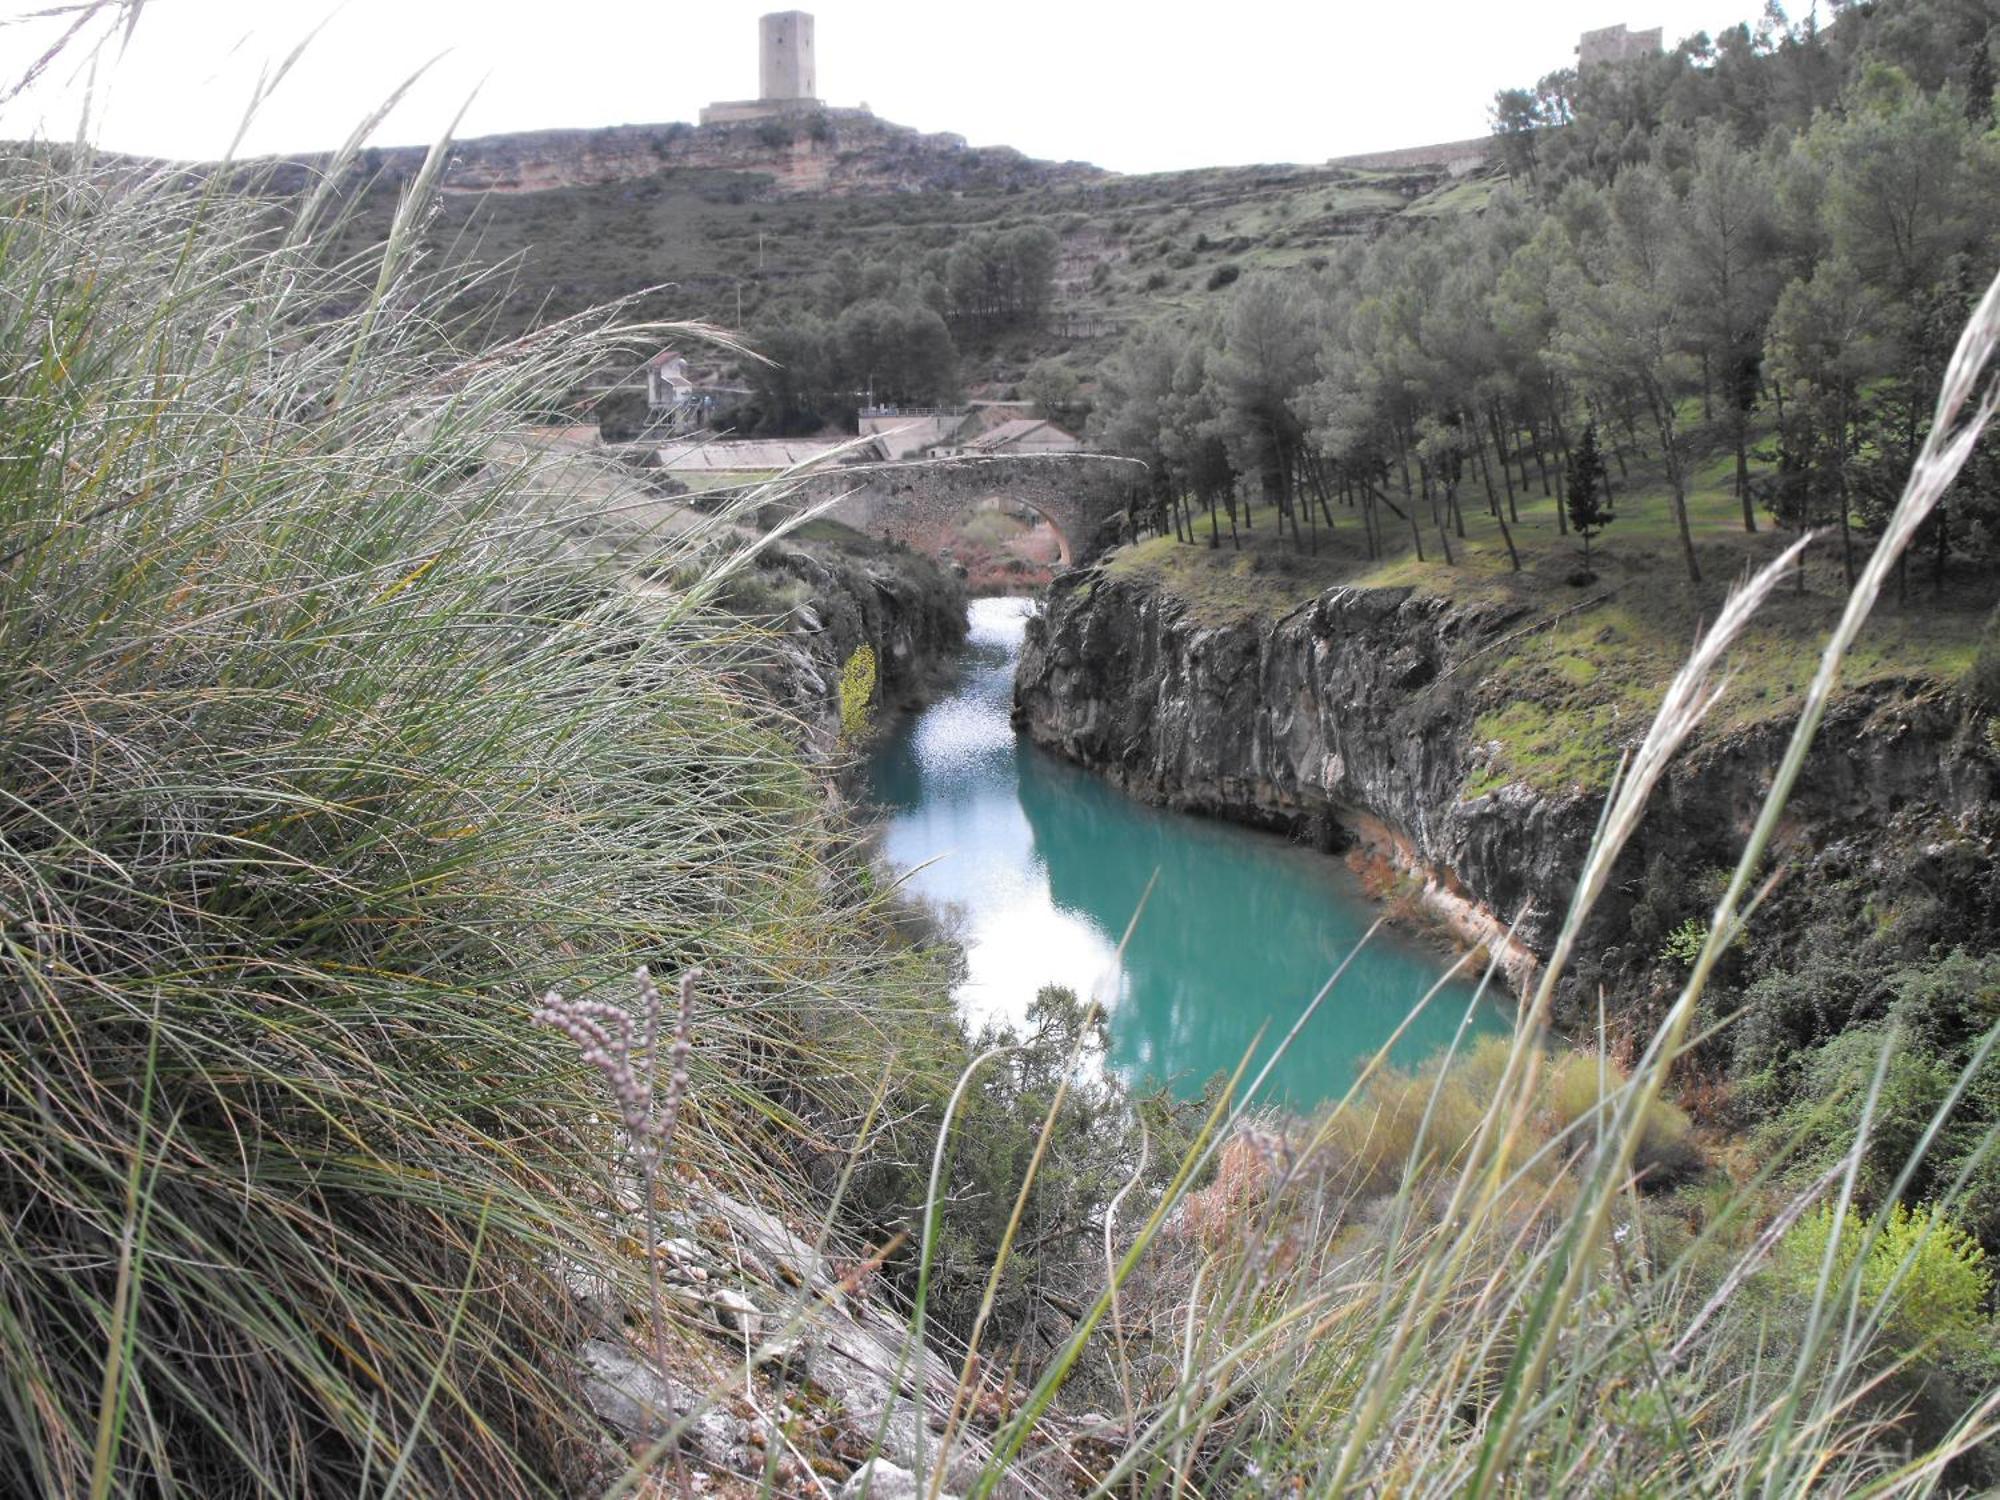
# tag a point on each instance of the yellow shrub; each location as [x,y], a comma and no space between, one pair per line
[1940,1296]
[857,695]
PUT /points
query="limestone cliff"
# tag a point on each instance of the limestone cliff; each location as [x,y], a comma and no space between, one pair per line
[1350,718]
[831,152]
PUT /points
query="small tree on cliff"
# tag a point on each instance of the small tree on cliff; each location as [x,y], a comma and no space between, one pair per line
[1589,506]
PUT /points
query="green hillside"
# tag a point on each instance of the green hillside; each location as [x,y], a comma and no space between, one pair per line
[727,247]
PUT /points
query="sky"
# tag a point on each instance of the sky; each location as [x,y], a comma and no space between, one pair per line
[1136,87]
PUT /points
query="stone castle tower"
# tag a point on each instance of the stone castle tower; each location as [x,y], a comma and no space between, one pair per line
[785,56]
[787,75]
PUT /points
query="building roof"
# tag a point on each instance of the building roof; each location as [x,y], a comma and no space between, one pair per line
[756,455]
[1012,434]
[904,435]
[664,357]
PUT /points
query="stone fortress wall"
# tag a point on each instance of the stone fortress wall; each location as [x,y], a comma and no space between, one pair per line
[1614,44]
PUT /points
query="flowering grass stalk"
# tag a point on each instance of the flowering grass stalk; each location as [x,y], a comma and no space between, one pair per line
[626,1056]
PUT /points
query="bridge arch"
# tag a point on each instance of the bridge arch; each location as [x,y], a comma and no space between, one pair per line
[1072,492]
[1058,522]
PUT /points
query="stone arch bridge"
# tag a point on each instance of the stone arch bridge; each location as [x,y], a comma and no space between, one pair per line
[1073,492]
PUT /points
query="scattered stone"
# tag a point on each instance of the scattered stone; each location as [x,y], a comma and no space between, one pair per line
[878,1479]
[592,1291]
[855,1357]
[780,1350]
[678,1292]
[683,1252]
[765,1243]
[683,1259]
[629,1393]
[737,1313]
[843,1346]
[643,1403]
[1097,1445]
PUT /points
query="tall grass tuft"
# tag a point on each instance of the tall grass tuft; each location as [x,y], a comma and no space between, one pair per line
[330,734]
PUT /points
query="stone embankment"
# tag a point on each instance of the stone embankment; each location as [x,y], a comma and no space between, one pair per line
[1348,721]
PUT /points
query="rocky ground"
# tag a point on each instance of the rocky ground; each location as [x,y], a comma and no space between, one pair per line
[803,1376]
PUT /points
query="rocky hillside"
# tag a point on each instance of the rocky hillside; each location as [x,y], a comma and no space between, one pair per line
[835,597]
[739,224]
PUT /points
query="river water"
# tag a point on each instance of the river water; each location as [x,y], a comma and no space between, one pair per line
[1038,866]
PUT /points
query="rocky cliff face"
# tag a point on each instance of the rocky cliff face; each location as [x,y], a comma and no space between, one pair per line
[1352,718]
[831,152]
[902,605]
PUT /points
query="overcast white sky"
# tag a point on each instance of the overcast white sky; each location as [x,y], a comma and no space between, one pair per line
[1132,86]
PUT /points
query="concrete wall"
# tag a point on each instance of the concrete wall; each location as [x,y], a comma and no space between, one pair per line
[1456,158]
[1046,440]
[785,54]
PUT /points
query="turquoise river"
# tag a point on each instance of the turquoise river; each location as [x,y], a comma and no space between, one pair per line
[1037,867]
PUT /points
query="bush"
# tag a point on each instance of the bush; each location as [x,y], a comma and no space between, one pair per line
[1684,944]
[1984,678]
[1922,1274]
[1939,1014]
[857,695]
[1093,1148]
[764,594]
[1428,1117]
[1223,276]
[1787,1013]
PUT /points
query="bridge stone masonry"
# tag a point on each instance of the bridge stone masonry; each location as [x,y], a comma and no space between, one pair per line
[1077,494]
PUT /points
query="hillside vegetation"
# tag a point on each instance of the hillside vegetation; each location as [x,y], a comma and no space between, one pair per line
[350,766]
[330,740]
[1705,314]
[729,247]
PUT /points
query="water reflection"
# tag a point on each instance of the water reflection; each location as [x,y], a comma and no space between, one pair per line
[1043,864]
[950,780]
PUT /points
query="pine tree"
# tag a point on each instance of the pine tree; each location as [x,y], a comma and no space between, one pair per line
[1589,507]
